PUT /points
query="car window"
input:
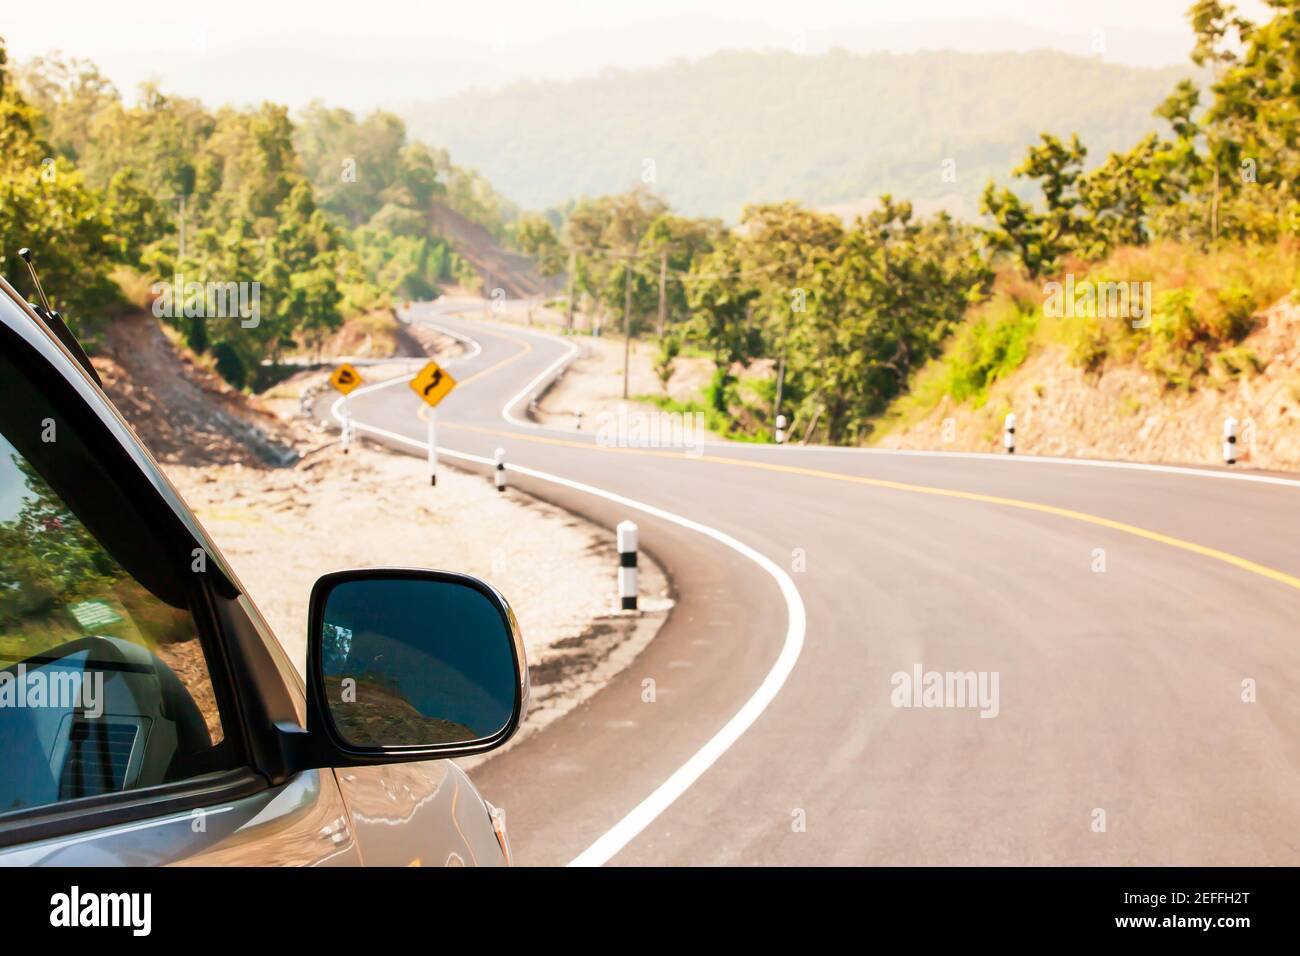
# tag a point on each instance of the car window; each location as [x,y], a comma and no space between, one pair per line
[105,684]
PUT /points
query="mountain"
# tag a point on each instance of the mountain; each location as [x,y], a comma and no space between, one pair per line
[832,129]
[385,61]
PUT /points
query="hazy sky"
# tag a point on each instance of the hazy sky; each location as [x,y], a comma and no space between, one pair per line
[97,25]
[360,53]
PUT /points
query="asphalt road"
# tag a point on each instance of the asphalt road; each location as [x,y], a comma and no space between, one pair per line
[1118,733]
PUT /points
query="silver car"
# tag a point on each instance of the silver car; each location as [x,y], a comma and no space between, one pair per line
[147,713]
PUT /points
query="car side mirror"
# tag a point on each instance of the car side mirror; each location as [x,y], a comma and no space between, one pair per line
[406,664]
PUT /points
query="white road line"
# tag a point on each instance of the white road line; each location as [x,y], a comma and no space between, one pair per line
[645,812]
[507,410]
[458,337]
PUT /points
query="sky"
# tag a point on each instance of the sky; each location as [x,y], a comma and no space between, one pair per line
[385,52]
[140,23]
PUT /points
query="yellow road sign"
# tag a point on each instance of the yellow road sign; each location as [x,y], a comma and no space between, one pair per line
[345,378]
[432,383]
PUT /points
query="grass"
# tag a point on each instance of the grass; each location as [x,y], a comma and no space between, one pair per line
[716,420]
[136,287]
[1203,305]
[993,342]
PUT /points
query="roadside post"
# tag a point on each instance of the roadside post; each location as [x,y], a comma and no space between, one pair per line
[780,429]
[579,413]
[1229,441]
[500,469]
[344,379]
[1009,433]
[432,383]
[627,548]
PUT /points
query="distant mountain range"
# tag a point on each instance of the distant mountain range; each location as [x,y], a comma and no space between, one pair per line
[835,129]
[382,64]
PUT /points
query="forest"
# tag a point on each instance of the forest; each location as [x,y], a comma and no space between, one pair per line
[329,214]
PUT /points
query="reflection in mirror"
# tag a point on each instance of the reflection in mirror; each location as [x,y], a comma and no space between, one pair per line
[411,662]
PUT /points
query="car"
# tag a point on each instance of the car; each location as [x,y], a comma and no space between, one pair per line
[148,714]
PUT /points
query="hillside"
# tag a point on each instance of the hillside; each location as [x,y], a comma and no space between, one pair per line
[734,128]
[182,411]
[1123,413]
[497,267]
[1221,342]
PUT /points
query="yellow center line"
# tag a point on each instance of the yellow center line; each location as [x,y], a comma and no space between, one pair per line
[527,347]
[1238,562]
[423,412]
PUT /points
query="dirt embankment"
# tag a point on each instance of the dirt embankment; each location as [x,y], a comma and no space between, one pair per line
[285,504]
[379,335]
[498,268]
[1124,412]
[182,411]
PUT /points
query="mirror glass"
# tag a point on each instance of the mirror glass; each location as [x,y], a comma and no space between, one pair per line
[411,662]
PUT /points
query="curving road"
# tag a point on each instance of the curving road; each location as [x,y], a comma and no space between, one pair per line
[808,578]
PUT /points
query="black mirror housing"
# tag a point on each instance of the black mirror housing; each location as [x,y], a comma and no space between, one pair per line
[409,664]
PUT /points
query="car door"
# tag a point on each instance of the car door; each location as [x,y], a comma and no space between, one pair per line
[137,685]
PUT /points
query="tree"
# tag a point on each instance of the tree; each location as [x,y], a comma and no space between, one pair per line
[1039,240]
[880,304]
[670,346]
[46,205]
[70,94]
[535,236]
[720,304]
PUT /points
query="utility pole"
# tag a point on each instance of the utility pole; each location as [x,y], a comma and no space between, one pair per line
[627,322]
[663,290]
[573,267]
[1214,208]
[181,243]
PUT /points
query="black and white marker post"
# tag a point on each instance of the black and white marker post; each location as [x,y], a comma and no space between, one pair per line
[433,447]
[780,429]
[501,469]
[345,432]
[1229,441]
[627,542]
[1009,433]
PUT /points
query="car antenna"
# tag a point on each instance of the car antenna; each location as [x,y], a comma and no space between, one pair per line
[56,323]
[25,254]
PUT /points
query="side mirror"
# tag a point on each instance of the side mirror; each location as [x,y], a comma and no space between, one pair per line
[405,664]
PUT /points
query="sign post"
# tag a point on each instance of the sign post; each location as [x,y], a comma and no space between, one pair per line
[433,446]
[344,379]
[433,383]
